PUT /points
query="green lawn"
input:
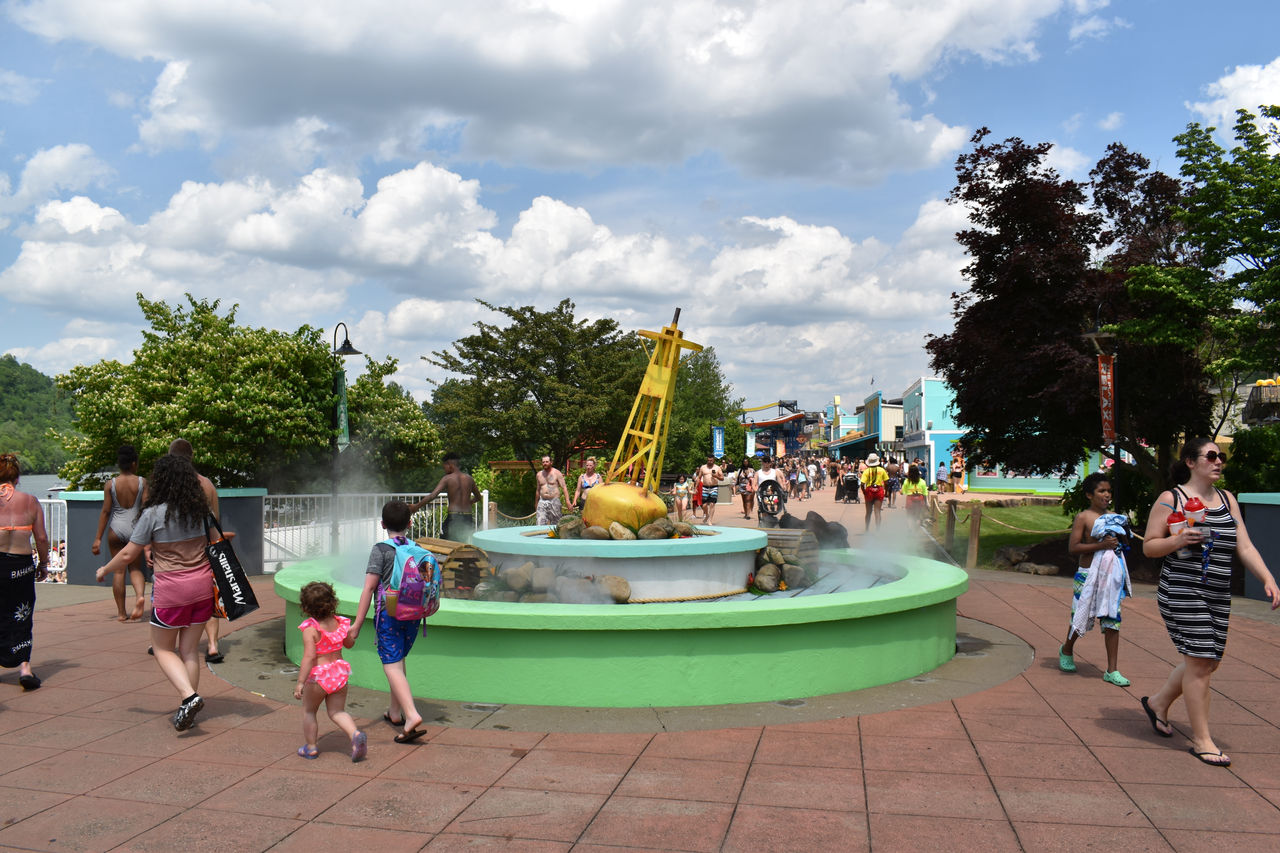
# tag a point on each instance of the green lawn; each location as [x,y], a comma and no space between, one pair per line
[1040,518]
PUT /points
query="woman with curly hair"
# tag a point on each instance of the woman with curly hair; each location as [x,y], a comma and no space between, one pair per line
[21,521]
[173,524]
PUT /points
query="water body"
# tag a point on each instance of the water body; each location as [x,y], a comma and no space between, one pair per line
[40,484]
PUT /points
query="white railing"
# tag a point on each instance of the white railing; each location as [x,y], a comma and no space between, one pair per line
[297,527]
[55,521]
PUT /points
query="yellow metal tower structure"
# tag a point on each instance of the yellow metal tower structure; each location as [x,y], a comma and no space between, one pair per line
[644,442]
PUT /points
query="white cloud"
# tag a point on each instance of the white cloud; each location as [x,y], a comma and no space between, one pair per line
[17,89]
[1113,121]
[777,89]
[1068,162]
[292,254]
[1245,87]
[53,170]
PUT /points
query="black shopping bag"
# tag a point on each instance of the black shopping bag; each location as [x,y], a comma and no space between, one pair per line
[235,596]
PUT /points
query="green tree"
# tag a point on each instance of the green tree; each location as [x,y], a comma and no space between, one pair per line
[32,408]
[256,404]
[1230,216]
[703,399]
[1045,267]
[545,383]
[393,445]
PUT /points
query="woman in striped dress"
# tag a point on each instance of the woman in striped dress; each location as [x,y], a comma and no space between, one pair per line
[1194,595]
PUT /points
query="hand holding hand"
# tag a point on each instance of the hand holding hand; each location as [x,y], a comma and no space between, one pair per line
[101,574]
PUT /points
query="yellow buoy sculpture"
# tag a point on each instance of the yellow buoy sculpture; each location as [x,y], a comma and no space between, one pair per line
[630,495]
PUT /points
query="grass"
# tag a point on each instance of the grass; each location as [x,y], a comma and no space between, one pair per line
[1040,518]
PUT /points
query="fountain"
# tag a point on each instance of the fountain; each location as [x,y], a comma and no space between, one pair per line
[875,620]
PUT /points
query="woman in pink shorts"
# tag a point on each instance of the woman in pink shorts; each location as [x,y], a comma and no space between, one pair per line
[323,674]
[172,522]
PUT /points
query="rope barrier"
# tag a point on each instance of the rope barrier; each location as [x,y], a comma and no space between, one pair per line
[1023,529]
[687,598]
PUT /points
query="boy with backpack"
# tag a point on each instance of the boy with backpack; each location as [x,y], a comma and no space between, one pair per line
[406,578]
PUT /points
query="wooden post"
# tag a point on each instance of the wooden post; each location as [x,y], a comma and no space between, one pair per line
[950,538]
[975,530]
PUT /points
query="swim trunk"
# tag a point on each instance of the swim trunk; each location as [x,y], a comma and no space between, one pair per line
[874,493]
[395,636]
[549,511]
[710,494]
[458,527]
[331,677]
[182,616]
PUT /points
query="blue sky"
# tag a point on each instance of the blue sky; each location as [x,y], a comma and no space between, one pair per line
[777,170]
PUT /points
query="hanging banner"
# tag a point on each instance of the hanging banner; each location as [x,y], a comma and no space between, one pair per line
[717,442]
[344,432]
[1107,396]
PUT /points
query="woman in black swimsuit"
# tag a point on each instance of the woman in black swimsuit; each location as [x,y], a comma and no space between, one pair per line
[21,522]
[1194,594]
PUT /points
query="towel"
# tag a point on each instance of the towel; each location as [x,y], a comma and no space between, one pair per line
[1106,583]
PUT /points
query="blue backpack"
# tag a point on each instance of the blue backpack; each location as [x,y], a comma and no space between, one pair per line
[414,590]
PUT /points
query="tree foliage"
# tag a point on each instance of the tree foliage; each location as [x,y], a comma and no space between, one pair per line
[256,404]
[704,398]
[1231,216]
[393,445]
[32,408]
[546,383]
[1046,267]
[1255,461]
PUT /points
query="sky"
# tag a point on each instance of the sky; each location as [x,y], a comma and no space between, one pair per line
[777,170]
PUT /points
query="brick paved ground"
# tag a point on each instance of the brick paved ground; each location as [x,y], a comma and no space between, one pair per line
[1042,761]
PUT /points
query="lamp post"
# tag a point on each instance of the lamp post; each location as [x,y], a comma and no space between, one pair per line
[340,437]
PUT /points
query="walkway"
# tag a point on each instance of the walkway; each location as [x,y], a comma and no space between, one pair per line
[1043,761]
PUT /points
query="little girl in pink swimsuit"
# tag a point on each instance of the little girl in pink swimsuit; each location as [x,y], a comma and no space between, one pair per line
[323,673]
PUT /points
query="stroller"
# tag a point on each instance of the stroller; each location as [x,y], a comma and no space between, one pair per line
[851,488]
[771,503]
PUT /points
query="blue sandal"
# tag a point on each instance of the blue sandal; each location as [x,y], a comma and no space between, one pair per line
[1066,663]
[308,752]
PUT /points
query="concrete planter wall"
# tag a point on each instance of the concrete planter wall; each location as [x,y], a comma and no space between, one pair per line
[241,511]
[1262,515]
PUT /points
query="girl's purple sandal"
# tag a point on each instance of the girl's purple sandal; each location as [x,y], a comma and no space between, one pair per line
[308,752]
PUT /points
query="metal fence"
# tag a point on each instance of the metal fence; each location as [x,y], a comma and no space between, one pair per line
[297,527]
[55,521]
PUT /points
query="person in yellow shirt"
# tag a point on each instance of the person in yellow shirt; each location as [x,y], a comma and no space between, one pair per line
[914,490]
[873,486]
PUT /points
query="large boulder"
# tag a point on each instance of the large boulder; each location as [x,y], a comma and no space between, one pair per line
[682,528]
[617,531]
[795,576]
[653,530]
[768,578]
[570,527]
[541,579]
[615,587]
[518,577]
[595,532]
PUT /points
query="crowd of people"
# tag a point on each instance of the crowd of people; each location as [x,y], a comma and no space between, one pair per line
[157,528]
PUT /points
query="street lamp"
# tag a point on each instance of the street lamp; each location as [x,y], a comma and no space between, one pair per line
[340,437]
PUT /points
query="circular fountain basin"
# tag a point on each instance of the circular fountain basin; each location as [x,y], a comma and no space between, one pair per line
[699,566]
[665,655]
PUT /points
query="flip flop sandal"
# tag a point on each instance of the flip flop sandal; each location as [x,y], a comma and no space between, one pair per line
[29,682]
[409,736]
[387,717]
[216,657]
[359,746]
[1151,715]
[1205,756]
[308,752]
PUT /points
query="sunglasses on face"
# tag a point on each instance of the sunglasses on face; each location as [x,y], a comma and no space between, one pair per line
[1215,456]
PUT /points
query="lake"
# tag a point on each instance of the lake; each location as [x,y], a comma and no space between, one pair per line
[39,484]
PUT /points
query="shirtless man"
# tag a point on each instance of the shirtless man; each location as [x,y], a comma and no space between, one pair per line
[710,475]
[182,447]
[460,523]
[548,499]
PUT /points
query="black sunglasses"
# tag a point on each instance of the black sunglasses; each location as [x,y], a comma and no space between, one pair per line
[1214,456]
